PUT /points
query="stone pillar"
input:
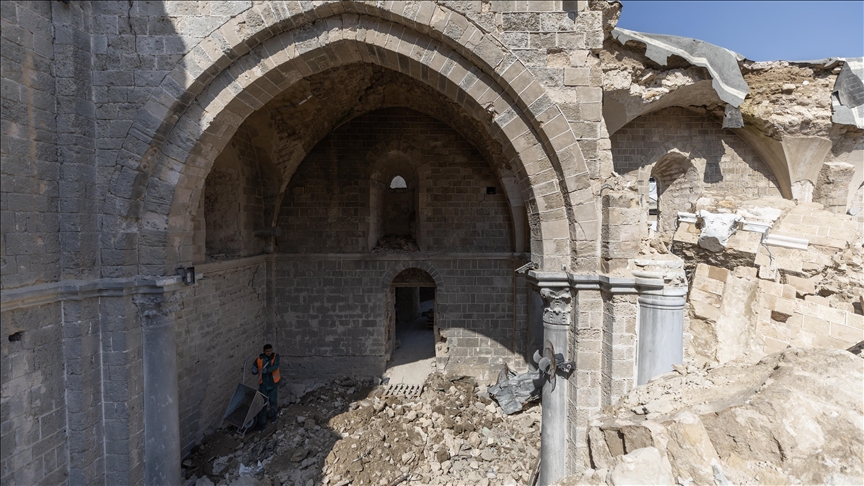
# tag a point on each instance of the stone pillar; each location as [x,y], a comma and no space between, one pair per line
[161,411]
[661,332]
[555,291]
[535,324]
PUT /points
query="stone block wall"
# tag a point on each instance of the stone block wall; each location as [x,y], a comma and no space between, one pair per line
[72,390]
[585,384]
[34,445]
[619,346]
[326,207]
[329,314]
[624,226]
[221,321]
[554,40]
[30,193]
[736,315]
[233,200]
[123,383]
[725,163]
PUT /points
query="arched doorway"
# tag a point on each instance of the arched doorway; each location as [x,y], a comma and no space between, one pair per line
[411,327]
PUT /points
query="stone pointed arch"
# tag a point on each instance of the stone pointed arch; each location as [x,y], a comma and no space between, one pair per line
[241,65]
[424,265]
[675,166]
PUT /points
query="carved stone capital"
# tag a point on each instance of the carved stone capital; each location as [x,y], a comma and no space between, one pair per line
[556,309]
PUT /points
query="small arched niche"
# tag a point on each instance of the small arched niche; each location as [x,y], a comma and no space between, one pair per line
[676,187]
[393,203]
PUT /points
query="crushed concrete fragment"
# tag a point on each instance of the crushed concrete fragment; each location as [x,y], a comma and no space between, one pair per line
[847,98]
[720,62]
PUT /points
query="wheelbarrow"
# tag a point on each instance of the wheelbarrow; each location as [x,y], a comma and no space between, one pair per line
[245,404]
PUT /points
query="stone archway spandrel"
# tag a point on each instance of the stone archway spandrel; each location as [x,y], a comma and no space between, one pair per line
[463,81]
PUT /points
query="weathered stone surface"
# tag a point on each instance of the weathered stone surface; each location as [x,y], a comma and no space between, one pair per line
[742,421]
[642,466]
[256,140]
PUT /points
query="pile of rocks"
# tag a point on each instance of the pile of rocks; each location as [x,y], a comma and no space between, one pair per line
[794,417]
[349,433]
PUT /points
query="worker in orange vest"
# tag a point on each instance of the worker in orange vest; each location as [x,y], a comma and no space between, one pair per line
[267,369]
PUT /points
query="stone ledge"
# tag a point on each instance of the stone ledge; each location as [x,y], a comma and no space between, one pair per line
[65,290]
[407,256]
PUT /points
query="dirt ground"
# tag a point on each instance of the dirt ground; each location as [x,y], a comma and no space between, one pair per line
[347,433]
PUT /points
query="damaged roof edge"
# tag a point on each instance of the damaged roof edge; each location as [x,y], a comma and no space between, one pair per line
[847,97]
[722,63]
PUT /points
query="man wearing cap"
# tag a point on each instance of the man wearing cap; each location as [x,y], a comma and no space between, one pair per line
[267,369]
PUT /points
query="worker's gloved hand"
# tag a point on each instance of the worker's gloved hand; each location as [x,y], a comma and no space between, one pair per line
[253,370]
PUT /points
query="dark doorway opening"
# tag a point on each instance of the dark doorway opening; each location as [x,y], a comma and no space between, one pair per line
[412,326]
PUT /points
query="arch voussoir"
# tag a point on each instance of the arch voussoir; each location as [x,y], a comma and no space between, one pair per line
[246,69]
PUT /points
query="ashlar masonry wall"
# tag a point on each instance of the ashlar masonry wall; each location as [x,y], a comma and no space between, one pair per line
[221,321]
[330,290]
[330,312]
[34,447]
[725,163]
[327,205]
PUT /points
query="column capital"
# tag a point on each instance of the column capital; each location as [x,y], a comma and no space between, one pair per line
[557,305]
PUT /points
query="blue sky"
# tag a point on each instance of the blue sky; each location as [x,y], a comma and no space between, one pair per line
[762,30]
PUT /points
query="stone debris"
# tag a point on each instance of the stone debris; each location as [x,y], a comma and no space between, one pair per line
[794,417]
[791,275]
[396,243]
[347,433]
[716,230]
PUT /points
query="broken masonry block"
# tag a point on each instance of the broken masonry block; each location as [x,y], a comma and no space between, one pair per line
[716,230]
[732,118]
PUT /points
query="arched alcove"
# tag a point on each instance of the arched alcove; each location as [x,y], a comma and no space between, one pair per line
[678,187]
[394,191]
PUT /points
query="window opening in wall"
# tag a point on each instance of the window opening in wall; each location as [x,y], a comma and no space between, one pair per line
[652,204]
[411,328]
[393,203]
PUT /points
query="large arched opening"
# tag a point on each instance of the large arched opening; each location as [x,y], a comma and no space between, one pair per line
[245,65]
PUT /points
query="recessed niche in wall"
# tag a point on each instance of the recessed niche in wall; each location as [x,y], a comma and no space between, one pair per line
[393,203]
[676,187]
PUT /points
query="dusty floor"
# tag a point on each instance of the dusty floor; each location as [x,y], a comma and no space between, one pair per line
[414,359]
[347,433]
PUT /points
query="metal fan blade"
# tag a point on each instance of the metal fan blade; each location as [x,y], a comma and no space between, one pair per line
[549,355]
[543,364]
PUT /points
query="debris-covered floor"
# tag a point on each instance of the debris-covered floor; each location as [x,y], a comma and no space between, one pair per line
[348,433]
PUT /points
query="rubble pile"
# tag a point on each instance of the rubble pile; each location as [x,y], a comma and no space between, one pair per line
[795,417]
[395,243]
[348,433]
[789,275]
